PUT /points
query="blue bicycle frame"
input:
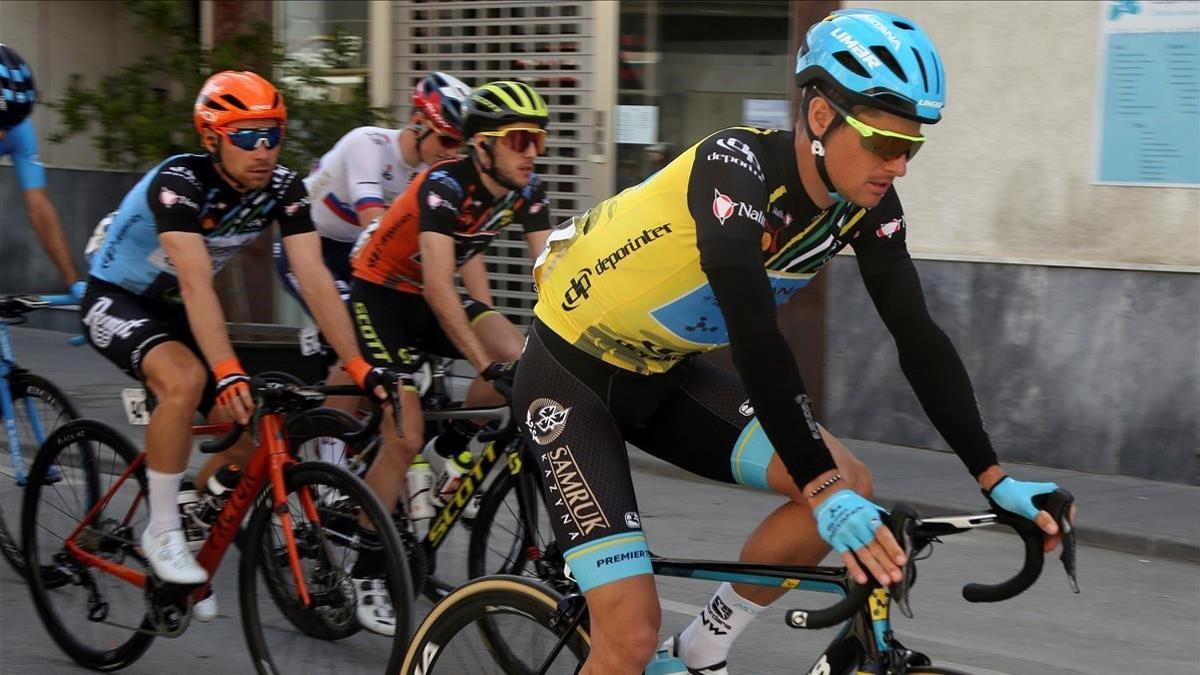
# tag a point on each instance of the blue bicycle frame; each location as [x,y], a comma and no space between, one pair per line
[8,366]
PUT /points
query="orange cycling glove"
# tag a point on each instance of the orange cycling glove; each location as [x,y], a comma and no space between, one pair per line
[231,380]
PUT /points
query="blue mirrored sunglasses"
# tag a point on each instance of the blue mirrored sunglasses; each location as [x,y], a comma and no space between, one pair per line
[249,139]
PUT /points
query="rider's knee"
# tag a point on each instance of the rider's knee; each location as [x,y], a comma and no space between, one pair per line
[404,449]
[510,350]
[183,385]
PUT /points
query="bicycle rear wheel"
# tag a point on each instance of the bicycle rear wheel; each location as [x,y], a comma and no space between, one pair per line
[329,639]
[39,408]
[452,641]
[98,619]
[316,435]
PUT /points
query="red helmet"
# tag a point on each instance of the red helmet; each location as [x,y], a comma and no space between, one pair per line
[230,96]
[441,98]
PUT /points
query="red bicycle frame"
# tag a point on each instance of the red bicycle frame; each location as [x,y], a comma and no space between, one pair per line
[271,457]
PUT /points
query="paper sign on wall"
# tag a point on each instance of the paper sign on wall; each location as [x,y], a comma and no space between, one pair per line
[1149,105]
[765,113]
[637,124]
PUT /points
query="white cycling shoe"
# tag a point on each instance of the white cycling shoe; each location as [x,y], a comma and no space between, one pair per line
[374,611]
[206,609]
[171,559]
[671,645]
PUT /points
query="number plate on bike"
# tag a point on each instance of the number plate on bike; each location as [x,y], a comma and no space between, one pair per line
[310,342]
[134,400]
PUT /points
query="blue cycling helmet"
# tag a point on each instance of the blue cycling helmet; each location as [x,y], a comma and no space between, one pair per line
[876,59]
[17,92]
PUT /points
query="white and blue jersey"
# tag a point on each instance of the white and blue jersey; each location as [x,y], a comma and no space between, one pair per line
[185,194]
[21,143]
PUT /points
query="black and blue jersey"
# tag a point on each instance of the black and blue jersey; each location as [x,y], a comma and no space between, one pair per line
[185,193]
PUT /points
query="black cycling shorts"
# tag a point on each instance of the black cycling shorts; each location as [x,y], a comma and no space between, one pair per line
[579,412]
[394,328]
[124,327]
[337,258]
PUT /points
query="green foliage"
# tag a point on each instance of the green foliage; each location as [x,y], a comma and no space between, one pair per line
[143,113]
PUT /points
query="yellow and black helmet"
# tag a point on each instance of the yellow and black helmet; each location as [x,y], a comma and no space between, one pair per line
[495,104]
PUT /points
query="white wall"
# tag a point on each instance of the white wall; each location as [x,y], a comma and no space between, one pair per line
[92,38]
[1007,174]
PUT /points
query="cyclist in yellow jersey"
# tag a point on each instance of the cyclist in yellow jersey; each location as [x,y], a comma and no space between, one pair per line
[697,257]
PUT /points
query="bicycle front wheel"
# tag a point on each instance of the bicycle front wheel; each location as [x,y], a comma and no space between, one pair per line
[39,408]
[534,619]
[98,619]
[329,638]
[512,533]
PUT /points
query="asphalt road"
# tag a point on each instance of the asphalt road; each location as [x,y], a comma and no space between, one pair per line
[1135,615]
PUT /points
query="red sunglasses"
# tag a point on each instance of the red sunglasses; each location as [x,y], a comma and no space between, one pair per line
[519,140]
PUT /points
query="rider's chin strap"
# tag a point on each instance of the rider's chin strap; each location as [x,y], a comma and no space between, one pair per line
[491,170]
[817,147]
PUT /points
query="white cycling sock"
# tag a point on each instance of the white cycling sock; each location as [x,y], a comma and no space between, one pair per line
[706,641]
[164,510]
[332,450]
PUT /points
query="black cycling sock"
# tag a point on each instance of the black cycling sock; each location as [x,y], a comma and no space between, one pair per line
[371,561]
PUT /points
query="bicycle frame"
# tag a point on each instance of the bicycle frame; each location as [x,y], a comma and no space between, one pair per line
[863,640]
[9,367]
[473,479]
[268,463]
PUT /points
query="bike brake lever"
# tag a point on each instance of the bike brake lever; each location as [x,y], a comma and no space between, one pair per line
[1068,553]
[255,417]
[397,408]
[903,533]
[1058,505]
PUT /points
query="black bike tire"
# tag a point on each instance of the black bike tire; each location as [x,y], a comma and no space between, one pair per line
[128,652]
[477,600]
[400,583]
[20,386]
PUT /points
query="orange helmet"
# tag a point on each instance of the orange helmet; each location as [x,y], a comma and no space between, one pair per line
[230,96]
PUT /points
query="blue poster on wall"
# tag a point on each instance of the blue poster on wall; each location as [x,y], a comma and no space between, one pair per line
[1149,126]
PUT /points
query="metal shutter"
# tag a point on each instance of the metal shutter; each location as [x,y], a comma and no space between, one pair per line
[548,45]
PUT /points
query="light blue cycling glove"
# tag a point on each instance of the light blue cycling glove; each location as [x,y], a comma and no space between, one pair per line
[78,289]
[1017,496]
[847,521]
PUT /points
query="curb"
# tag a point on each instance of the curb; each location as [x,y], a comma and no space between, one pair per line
[1115,540]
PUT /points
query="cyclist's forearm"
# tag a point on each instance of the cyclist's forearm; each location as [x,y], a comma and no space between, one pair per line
[943,387]
[929,360]
[48,228]
[475,280]
[207,321]
[321,296]
[447,307]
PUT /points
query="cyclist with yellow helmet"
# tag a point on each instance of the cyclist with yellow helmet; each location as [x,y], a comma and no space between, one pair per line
[403,297]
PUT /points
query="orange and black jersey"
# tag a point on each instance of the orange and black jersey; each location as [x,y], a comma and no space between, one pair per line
[449,198]
[699,255]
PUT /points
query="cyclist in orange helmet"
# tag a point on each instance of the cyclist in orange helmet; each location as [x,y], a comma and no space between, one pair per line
[151,308]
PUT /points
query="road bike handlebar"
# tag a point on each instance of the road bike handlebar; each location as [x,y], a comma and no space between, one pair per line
[1056,504]
[281,397]
[13,306]
[914,534]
